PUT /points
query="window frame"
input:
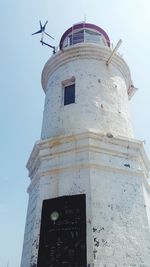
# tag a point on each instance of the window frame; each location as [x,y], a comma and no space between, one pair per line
[65,84]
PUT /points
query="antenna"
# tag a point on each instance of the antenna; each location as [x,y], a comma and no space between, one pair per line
[42,31]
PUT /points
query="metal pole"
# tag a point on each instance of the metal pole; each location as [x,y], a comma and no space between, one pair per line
[113,52]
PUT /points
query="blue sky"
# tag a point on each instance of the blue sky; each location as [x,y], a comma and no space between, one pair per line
[22,98]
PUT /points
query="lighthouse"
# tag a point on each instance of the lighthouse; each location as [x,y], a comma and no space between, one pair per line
[89,196]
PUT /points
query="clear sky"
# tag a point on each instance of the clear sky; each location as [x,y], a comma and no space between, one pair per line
[22,59]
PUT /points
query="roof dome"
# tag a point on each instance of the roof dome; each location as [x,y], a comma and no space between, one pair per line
[84,33]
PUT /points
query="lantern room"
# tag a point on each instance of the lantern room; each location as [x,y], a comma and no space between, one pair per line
[84,33]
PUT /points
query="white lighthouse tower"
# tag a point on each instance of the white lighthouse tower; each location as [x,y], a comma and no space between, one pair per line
[89,198]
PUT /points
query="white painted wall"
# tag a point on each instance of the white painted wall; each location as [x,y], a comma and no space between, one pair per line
[87,147]
[112,173]
[101,103]
[120,222]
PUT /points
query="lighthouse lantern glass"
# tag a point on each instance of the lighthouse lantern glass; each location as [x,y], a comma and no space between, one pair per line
[84,33]
[84,36]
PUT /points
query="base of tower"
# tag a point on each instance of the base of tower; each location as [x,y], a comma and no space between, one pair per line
[112,173]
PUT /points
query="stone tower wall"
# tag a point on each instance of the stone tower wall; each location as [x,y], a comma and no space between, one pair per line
[101,98]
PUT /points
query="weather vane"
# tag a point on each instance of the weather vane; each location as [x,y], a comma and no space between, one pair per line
[42,31]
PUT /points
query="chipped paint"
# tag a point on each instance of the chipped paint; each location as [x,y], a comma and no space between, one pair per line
[87,148]
[113,191]
[97,98]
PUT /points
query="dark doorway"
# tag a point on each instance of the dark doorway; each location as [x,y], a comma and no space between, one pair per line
[63,232]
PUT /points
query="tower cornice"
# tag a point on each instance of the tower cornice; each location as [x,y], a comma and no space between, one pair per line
[130,149]
[84,51]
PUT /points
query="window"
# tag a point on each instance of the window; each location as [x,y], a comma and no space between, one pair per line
[92,37]
[69,91]
[77,37]
[84,36]
[69,94]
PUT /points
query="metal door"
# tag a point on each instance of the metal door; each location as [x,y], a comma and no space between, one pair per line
[63,232]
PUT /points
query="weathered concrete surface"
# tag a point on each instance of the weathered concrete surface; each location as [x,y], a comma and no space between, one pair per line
[101,102]
[88,148]
[112,172]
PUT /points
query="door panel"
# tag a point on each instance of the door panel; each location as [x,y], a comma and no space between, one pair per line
[63,232]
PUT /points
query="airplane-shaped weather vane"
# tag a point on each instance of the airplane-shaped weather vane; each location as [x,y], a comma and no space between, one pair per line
[42,31]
